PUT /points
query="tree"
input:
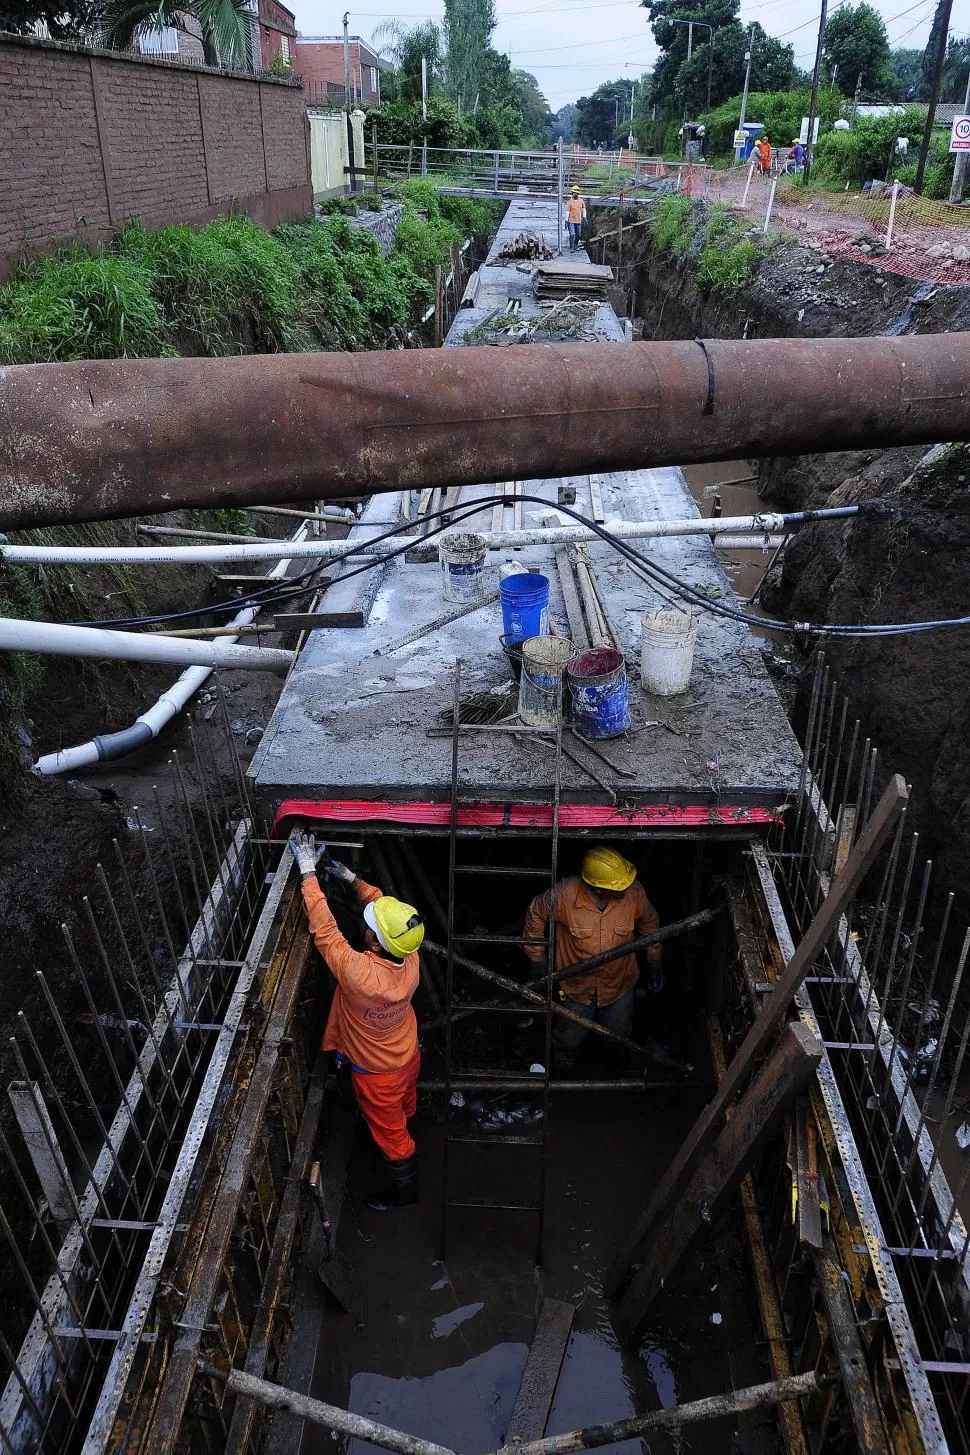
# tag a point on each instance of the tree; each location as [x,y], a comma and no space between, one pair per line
[956,66]
[856,42]
[907,68]
[467,30]
[64,19]
[600,117]
[228,27]
[667,19]
[772,67]
[404,47]
[536,116]
[561,124]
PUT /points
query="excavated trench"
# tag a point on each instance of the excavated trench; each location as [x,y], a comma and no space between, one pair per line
[909,693]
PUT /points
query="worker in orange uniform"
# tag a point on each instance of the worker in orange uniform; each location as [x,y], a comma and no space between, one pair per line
[575,217]
[764,155]
[371,1023]
[604,907]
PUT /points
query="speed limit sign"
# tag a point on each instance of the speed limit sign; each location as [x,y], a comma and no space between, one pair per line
[960,135]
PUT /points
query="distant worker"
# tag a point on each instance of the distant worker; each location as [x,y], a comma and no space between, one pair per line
[601,909]
[796,155]
[763,148]
[371,1024]
[575,217]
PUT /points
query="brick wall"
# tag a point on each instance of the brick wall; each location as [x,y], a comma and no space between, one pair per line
[275,22]
[89,139]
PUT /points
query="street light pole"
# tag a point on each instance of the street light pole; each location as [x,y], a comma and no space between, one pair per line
[813,104]
[747,75]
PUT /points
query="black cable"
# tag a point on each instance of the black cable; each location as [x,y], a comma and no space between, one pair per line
[663,580]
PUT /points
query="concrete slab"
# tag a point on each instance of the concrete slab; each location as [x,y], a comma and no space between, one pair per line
[350,730]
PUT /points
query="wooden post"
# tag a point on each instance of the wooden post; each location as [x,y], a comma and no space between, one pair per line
[438,304]
[373,142]
[789,1067]
[715,1407]
[766,1025]
[541,1375]
[619,241]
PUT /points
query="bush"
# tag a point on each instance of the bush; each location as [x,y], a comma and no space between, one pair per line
[780,113]
[859,155]
[725,255]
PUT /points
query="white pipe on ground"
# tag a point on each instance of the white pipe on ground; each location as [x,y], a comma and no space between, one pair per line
[53,638]
[148,725]
[764,524]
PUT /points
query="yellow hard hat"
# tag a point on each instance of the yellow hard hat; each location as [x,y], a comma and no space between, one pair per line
[398,926]
[574,188]
[606,869]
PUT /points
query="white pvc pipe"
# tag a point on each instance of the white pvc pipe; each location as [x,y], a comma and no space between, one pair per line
[148,725]
[764,523]
[56,639]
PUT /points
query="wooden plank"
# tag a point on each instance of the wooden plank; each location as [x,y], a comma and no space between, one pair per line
[498,509]
[847,1346]
[736,1148]
[596,498]
[534,1399]
[766,1024]
[348,602]
[574,611]
[806,1178]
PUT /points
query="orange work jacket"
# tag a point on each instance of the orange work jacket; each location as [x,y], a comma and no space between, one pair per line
[575,208]
[371,1020]
[584,930]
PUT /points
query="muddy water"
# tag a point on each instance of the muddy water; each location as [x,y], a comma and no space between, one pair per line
[438,1348]
[739,496]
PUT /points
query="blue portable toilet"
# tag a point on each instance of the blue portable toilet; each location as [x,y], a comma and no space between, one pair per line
[752,130]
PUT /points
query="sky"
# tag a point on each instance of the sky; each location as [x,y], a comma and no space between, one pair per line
[571,46]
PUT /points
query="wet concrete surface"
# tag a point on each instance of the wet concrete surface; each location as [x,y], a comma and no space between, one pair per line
[437,1348]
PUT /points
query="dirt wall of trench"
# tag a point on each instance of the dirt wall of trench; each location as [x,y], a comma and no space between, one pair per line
[911,694]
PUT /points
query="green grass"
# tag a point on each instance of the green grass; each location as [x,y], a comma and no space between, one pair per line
[723,256]
[232,287]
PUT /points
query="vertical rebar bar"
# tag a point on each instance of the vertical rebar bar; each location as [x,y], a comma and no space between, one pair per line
[450,947]
[162,917]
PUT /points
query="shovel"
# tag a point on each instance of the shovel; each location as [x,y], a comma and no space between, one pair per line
[334,1271]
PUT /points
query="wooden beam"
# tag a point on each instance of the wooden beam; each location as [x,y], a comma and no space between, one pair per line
[860,1396]
[715,1407]
[788,1069]
[766,1025]
[541,1375]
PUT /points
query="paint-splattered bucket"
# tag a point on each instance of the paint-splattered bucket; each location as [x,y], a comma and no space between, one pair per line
[462,557]
[599,693]
[667,651]
[525,606]
[544,660]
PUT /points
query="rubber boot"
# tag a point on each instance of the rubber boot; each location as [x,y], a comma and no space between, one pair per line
[401,1188]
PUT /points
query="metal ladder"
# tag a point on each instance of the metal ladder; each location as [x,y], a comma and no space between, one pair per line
[477,1079]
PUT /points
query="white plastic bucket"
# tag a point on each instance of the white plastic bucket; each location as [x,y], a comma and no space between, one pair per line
[667,651]
[462,556]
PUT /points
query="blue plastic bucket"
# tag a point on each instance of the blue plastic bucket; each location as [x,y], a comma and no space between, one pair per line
[599,693]
[525,606]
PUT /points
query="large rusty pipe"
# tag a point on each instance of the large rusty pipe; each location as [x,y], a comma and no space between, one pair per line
[87,441]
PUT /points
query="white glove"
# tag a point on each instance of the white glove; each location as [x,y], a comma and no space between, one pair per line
[304,850]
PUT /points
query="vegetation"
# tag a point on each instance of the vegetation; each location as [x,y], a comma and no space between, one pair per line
[475,99]
[232,287]
[780,113]
[721,253]
[679,83]
[856,43]
[227,27]
[867,152]
[63,19]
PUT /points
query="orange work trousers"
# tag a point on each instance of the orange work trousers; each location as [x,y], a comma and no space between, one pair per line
[387,1099]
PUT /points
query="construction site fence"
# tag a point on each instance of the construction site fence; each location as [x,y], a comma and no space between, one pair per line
[885,224]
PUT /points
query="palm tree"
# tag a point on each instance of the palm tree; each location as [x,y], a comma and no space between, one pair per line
[227,26]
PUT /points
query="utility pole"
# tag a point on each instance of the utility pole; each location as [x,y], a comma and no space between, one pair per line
[934,97]
[424,87]
[747,76]
[710,67]
[855,99]
[351,159]
[690,39]
[960,165]
[813,104]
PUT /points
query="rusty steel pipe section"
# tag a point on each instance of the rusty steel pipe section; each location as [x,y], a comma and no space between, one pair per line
[87,441]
